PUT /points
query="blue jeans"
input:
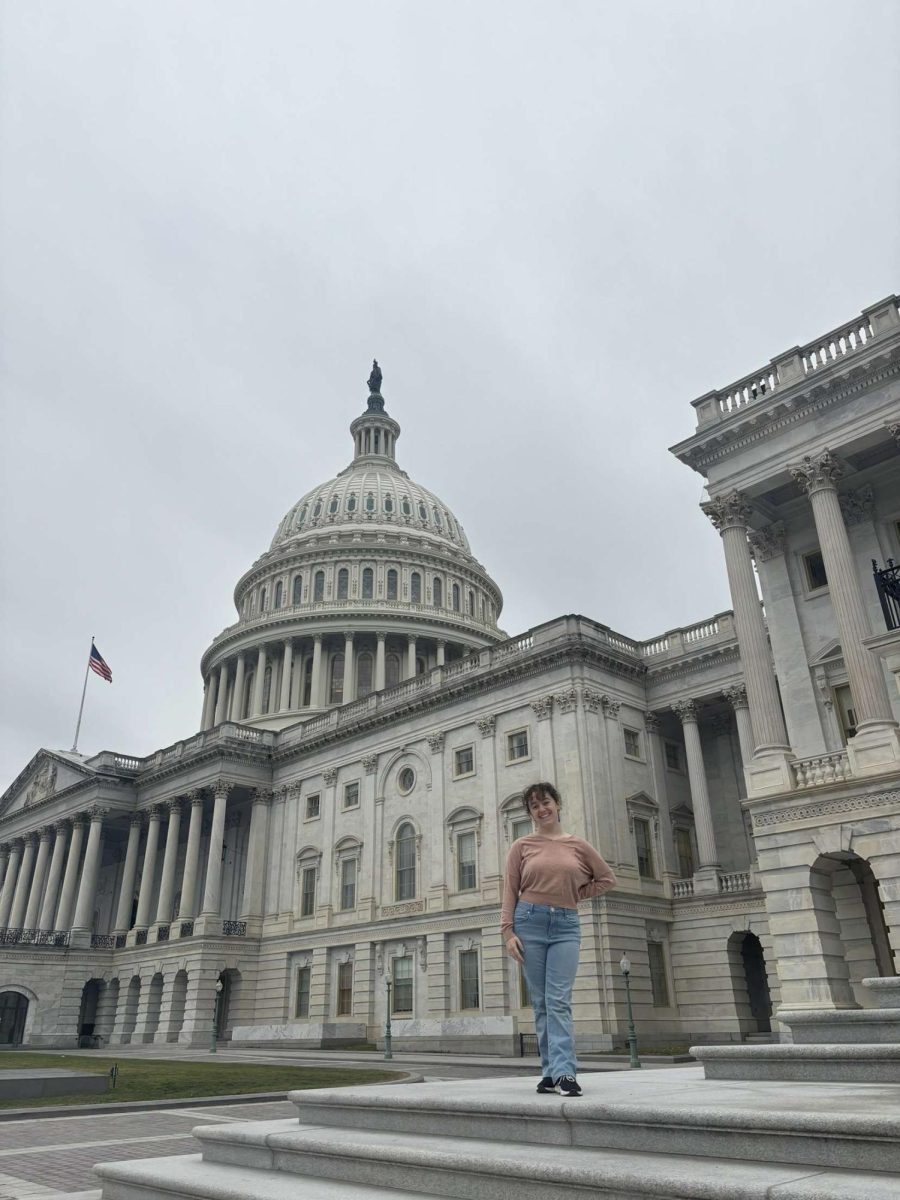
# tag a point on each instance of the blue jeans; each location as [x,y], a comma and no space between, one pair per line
[551,939]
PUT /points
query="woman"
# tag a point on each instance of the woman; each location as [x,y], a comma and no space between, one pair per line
[547,873]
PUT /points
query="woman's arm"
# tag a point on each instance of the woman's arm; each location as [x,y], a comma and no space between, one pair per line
[602,876]
[511,882]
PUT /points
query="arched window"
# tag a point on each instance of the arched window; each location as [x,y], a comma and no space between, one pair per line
[392,584]
[279,593]
[343,583]
[455,595]
[297,589]
[267,689]
[319,586]
[389,504]
[470,602]
[248,695]
[333,506]
[437,592]
[370,502]
[363,674]
[405,883]
[420,666]
[423,512]
[317,511]
[405,507]
[415,588]
[302,516]
[437,517]
[263,598]
[307,683]
[351,503]
[368,583]
[336,691]
[392,670]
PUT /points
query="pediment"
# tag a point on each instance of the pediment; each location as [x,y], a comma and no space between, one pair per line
[47,774]
[639,798]
[827,653]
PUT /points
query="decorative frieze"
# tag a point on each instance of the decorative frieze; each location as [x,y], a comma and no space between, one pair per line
[824,808]
[404,909]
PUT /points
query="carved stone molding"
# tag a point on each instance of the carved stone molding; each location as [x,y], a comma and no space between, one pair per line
[543,707]
[486,726]
[824,808]
[651,722]
[686,711]
[894,430]
[436,742]
[728,511]
[402,910]
[223,789]
[566,701]
[330,776]
[264,795]
[857,506]
[370,764]
[610,707]
[736,695]
[767,542]
[97,812]
[815,472]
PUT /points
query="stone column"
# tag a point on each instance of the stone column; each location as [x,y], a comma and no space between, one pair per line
[222,695]
[199,1008]
[20,896]
[259,682]
[255,874]
[349,673]
[51,894]
[4,863]
[706,841]
[379,661]
[148,872]
[285,698]
[237,708]
[209,702]
[441,651]
[129,871]
[212,894]
[737,698]
[87,889]
[876,746]
[656,758]
[410,658]
[315,690]
[37,882]
[188,908]
[70,878]
[170,858]
[625,855]
[9,881]
[770,771]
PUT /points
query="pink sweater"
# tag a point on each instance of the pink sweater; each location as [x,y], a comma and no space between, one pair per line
[557,871]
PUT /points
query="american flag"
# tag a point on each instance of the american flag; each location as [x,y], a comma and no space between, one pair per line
[98,664]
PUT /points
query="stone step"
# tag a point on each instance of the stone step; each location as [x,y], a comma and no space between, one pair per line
[840,1063]
[676,1113]
[850,1026]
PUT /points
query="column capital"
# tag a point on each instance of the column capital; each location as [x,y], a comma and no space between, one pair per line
[154,812]
[817,472]
[262,796]
[592,700]
[436,742]
[222,789]
[543,707]
[317,637]
[441,641]
[857,505]
[736,695]
[30,838]
[60,826]
[17,844]
[172,805]
[330,776]
[486,726]
[370,764]
[97,812]
[79,820]
[45,833]
[728,512]
[893,428]
[686,710]
[651,722]
[610,707]
[195,797]
[767,542]
[381,634]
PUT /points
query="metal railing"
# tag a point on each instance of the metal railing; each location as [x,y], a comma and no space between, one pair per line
[186,929]
[234,928]
[34,937]
[887,584]
[103,941]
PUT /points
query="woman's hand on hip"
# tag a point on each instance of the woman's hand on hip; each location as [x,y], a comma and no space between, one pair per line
[515,949]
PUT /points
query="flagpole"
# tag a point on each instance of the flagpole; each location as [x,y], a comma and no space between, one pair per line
[83,694]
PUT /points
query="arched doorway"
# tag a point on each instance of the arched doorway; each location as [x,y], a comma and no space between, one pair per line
[13,1011]
[845,890]
[750,982]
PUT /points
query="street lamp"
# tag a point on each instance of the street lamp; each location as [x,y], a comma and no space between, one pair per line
[625,968]
[388,1053]
[215,1024]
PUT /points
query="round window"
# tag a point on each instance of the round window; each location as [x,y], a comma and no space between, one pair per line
[406,780]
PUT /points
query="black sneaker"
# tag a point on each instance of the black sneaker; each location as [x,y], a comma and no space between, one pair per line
[546,1087]
[567,1085]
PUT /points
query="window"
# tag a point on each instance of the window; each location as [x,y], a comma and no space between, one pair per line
[301,1008]
[343,583]
[351,794]
[333,505]
[337,679]
[673,755]
[522,828]
[814,570]
[405,887]
[392,670]
[348,884]
[297,590]
[388,504]
[307,683]
[319,586]
[659,979]
[351,503]
[644,847]
[463,761]
[263,598]
[308,892]
[405,507]
[846,711]
[437,593]
[345,989]
[470,603]
[455,594]
[415,588]
[402,995]
[370,498]
[406,780]
[392,584]
[368,583]
[632,743]
[466,869]
[364,669]
[302,516]
[279,593]
[423,512]
[468,979]
[313,806]
[517,745]
[317,510]
[684,849]
[437,517]
[267,689]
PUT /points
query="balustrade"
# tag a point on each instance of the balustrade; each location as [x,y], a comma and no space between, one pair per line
[822,769]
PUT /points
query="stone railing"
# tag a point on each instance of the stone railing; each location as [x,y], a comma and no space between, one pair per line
[682,888]
[34,937]
[675,642]
[821,769]
[736,881]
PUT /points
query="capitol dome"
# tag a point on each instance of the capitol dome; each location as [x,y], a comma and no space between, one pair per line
[369,581]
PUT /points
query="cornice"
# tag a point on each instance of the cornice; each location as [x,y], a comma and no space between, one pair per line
[728,653]
[743,902]
[827,806]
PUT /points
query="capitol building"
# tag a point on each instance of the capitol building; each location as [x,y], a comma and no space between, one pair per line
[330,840]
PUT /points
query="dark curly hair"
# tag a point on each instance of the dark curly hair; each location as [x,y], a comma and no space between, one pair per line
[540,789]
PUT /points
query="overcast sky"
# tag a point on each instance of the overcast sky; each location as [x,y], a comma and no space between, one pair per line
[554,223]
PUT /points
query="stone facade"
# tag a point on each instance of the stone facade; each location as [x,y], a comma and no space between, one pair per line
[341,820]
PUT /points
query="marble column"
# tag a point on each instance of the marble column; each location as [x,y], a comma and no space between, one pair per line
[170,858]
[222,695]
[737,698]
[703,823]
[656,757]
[379,661]
[286,667]
[255,874]
[87,888]
[188,908]
[35,894]
[23,883]
[625,851]
[129,872]
[349,672]
[410,658]
[259,683]
[876,746]
[209,702]
[441,651]
[71,875]
[4,863]
[315,696]
[237,707]
[54,878]
[9,881]
[148,871]
[212,894]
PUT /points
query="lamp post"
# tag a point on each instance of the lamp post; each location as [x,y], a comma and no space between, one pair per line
[215,1024]
[388,1053]
[625,968]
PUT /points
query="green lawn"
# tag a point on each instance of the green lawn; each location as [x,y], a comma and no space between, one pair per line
[155,1079]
